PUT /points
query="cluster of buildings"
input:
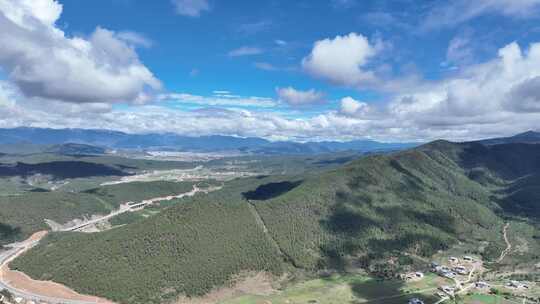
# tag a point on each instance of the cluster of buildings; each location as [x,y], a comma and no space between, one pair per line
[481,285]
[458,267]
[17,300]
[517,285]
[413,276]
[455,269]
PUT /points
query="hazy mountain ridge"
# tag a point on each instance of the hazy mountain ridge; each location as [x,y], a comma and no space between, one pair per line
[529,137]
[169,141]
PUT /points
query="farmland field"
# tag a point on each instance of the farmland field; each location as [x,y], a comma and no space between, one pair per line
[352,288]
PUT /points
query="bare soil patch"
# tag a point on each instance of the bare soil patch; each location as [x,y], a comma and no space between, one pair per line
[50,289]
[23,282]
[252,283]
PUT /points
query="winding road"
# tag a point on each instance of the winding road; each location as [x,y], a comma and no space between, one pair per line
[131,207]
[508,244]
[16,249]
[12,253]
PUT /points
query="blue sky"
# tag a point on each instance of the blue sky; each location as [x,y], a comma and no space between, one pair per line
[327,69]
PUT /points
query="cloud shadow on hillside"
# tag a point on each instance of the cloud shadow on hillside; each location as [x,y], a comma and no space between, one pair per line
[270,190]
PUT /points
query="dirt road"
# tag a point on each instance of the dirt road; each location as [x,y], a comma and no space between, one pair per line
[23,286]
[127,207]
[508,244]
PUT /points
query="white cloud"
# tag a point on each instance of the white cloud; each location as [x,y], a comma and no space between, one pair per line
[265,66]
[135,38]
[254,28]
[295,97]
[245,51]
[494,95]
[525,96]
[498,97]
[220,98]
[382,19]
[280,42]
[460,11]
[31,14]
[45,63]
[343,3]
[403,119]
[352,107]
[7,95]
[191,8]
[342,60]
[221,92]
[459,50]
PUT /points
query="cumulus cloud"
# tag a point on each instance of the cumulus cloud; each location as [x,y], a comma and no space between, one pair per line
[456,12]
[485,94]
[191,8]
[352,107]
[245,51]
[295,97]
[45,63]
[135,38]
[525,96]
[342,60]
[494,98]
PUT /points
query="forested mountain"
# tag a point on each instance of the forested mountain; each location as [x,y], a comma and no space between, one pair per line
[75,149]
[23,214]
[170,141]
[416,201]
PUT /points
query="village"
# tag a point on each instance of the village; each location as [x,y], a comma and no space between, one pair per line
[16,300]
[464,277]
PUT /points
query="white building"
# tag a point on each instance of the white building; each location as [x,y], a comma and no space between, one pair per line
[481,285]
[416,301]
[448,290]
[461,270]
[468,258]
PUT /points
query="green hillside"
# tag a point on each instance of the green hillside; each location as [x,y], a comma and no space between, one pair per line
[160,257]
[23,214]
[138,191]
[417,202]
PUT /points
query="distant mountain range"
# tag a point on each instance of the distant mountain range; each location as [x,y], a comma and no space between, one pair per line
[530,137]
[81,138]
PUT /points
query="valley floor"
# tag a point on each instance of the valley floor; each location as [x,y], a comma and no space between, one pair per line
[358,289]
[349,289]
